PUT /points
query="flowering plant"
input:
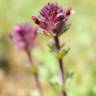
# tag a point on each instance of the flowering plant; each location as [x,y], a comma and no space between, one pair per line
[24,38]
[53,20]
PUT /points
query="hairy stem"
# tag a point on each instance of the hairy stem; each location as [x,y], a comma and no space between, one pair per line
[35,74]
[60,61]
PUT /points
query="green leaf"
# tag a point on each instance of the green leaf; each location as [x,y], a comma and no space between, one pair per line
[55,83]
[60,54]
[32,69]
[69,75]
[65,28]
[52,47]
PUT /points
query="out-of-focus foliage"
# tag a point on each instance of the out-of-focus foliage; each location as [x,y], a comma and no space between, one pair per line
[81,59]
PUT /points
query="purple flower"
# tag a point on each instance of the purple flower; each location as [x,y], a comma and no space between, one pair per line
[24,36]
[52,18]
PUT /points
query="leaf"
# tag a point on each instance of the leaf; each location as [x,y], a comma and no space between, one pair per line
[69,75]
[62,46]
[55,83]
[55,80]
[65,28]
[62,53]
[33,69]
[52,47]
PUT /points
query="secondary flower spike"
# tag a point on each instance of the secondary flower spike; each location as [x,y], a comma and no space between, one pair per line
[24,35]
[52,18]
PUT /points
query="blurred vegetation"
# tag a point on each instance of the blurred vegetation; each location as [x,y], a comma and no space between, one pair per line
[81,59]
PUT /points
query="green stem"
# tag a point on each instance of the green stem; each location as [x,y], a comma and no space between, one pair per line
[60,61]
[35,73]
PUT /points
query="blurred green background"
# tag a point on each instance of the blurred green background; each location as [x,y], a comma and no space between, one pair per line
[81,60]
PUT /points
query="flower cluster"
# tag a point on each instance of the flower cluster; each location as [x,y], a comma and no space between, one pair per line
[24,36]
[52,18]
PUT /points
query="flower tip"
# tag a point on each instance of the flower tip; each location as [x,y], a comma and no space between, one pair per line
[69,11]
[72,11]
[34,18]
[17,28]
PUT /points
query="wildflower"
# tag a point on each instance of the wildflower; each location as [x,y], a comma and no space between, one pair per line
[52,18]
[24,36]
